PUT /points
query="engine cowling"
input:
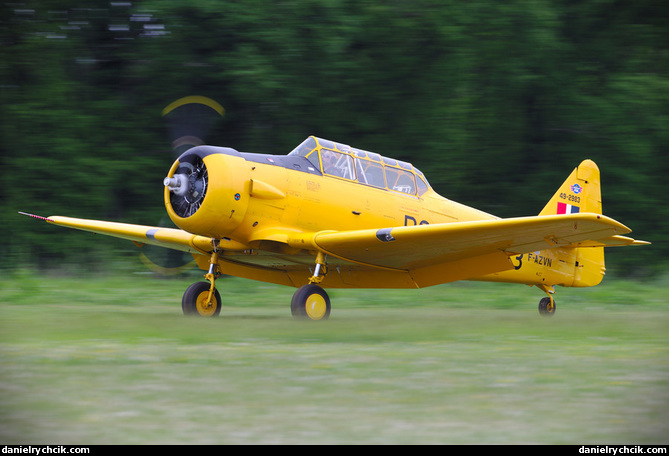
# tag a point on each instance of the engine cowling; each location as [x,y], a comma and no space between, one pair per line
[207,191]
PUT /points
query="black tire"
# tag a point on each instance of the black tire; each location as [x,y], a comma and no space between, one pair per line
[195,298]
[310,302]
[547,307]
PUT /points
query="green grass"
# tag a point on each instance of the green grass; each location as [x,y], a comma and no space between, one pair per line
[111,360]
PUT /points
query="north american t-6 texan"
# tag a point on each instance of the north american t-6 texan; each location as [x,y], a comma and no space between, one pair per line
[327,215]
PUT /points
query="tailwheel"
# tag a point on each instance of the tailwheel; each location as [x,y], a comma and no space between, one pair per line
[547,306]
[196,300]
[310,302]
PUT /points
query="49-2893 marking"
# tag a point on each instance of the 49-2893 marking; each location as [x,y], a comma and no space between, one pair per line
[570,198]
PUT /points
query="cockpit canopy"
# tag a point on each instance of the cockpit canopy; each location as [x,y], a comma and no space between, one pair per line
[365,167]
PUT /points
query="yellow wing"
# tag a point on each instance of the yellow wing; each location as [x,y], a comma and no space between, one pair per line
[466,249]
[429,254]
[140,234]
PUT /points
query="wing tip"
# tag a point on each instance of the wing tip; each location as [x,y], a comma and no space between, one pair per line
[604,219]
[39,217]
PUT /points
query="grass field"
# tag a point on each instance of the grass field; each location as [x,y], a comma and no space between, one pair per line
[111,360]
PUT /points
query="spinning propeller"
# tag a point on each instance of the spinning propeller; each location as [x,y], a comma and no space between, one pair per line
[188,121]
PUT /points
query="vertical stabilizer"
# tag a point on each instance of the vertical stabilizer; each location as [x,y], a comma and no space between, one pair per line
[581,192]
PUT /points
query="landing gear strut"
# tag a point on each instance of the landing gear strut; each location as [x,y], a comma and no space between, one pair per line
[311,302]
[202,298]
[547,304]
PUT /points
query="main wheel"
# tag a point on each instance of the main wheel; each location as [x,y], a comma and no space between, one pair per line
[547,307]
[195,303]
[310,302]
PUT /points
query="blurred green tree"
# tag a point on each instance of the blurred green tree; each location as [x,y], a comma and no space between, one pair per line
[495,101]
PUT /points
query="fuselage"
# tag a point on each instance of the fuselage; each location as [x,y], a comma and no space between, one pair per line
[251,203]
[297,191]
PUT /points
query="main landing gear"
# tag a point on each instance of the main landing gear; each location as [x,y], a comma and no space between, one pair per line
[547,304]
[202,298]
[311,302]
[199,301]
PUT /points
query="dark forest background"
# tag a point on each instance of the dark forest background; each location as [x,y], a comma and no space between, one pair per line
[495,101]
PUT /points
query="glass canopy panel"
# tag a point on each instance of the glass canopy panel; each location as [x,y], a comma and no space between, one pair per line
[400,180]
[337,164]
[370,173]
[305,147]
[368,166]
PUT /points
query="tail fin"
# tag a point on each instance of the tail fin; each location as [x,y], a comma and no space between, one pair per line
[581,192]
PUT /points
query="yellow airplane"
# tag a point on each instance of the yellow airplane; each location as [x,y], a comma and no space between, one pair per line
[331,216]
